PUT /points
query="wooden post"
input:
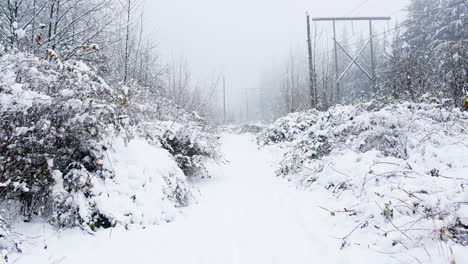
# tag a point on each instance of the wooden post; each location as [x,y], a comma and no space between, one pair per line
[260,95]
[247,104]
[312,87]
[336,63]
[372,56]
[224,99]
[292,80]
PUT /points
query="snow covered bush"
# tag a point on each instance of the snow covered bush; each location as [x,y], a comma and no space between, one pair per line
[54,118]
[286,129]
[194,148]
[70,153]
[9,241]
[186,135]
[146,188]
[146,104]
[397,172]
[252,128]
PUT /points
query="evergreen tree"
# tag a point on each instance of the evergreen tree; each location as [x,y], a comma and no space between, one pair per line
[431,56]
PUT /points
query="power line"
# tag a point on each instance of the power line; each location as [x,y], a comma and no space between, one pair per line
[422,18]
[357,8]
[354,10]
[398,11]
[400,26]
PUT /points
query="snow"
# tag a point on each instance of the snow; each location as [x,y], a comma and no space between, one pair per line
[146,188]
[245,215]
[20,33]
[67,93]
[395,175]
[138,194]
[463,214]
[58,188]
[17,95]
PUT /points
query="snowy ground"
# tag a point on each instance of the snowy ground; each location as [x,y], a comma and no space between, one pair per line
[245,215]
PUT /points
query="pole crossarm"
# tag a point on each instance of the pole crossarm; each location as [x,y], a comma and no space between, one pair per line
[350,18]
[354,61]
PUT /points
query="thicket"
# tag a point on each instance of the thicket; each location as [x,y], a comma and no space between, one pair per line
[58,121]
[396,170]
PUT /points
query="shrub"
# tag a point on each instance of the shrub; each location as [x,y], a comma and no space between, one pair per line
[54,119]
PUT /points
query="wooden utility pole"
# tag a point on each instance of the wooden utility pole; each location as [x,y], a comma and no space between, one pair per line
[354,60]
[247,104]
[312,86]
[261,103]
[338,96]
[374,85]
[224,98]
[293,77]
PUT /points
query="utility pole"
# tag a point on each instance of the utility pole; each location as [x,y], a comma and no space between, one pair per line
[371,36]
[261,103]
[312,86]
[293,77]
[224,99]
[336,63]
[247,104]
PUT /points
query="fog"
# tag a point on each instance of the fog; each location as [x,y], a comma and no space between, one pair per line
[242,38]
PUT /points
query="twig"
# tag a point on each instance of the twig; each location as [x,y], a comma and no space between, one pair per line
[355,228]
[410,194]
[403,233]
[58,261]
[340,172]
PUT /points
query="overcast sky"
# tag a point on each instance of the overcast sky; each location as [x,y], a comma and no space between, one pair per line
[241,38]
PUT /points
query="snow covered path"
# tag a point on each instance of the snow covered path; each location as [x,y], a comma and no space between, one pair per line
[245,215]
